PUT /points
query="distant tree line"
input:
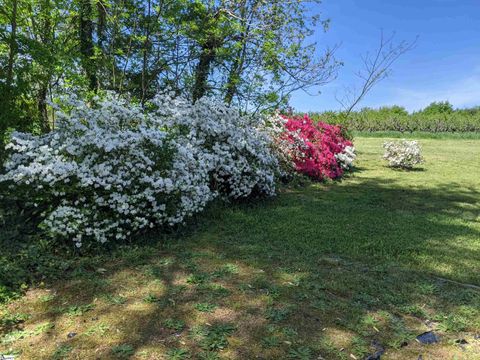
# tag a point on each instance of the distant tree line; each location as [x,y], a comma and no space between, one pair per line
[250,53]
[436,117]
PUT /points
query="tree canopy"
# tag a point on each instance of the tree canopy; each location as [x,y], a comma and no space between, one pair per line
[251,53]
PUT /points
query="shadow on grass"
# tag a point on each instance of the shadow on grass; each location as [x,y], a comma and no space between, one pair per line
[407,170]
[329,270]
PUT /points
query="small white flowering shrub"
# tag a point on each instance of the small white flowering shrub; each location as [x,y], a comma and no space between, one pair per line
[113,169]
[236,149]
[402,154]
[106,172]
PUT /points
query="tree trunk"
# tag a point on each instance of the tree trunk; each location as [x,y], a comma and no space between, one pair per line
[233,78]
[86,43]
[13,44]
[145,57]
[101,23]
[235,73]
[237,66]
[203,70]
[42,108]
[46,37]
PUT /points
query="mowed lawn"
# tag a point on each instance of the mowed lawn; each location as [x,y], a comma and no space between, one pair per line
[327,271]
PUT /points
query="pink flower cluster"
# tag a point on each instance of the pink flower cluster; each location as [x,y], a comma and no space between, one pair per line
[321,143]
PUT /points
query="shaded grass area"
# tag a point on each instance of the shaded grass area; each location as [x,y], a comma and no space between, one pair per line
[333,271]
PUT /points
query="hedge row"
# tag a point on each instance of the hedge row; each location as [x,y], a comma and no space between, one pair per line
[374,120]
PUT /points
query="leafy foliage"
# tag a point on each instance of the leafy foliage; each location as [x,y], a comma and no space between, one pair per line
[249,53]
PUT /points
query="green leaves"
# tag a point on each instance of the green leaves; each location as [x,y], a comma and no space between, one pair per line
[239,51]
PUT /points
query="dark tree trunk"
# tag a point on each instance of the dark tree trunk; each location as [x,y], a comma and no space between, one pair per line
[145,57]
[234,76]
[101,23]
[203,69]
[13,44]
[235,73]
[86,43]
[42,108]
[46,38]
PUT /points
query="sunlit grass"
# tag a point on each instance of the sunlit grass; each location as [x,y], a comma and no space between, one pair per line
[329,270]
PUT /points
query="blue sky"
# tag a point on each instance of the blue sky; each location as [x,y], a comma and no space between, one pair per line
[445,64]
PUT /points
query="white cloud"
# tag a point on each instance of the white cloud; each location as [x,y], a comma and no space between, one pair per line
[461,93]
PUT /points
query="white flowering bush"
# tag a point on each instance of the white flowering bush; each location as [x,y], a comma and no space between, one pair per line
[347,157]
[238,148]
[106,172]
[110,170]
[403,154]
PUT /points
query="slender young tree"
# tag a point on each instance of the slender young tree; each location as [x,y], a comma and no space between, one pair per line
[377,66]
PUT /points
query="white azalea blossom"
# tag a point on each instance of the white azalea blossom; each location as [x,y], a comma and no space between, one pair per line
[108,171]
[403,154]
[113,169]
[347,157]
[236,149]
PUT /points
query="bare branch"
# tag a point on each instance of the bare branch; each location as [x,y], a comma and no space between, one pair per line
[376,67]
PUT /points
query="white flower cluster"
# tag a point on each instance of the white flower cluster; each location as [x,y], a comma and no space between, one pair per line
[403,154]
[113,169]
[240,160]
[347,157]
[107,172]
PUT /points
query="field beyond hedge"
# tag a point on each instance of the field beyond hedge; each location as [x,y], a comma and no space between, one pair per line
[328,271]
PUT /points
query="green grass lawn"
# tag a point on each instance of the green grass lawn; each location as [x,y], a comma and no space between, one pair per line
[327,271]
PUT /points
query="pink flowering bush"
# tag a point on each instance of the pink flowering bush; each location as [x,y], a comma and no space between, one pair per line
[324,152]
